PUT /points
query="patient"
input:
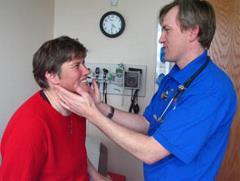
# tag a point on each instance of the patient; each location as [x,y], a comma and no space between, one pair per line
[43,140]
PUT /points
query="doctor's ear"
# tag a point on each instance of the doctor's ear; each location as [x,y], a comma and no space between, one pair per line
[194,33]
[52,78]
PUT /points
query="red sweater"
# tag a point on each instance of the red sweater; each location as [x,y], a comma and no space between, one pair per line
[41,144]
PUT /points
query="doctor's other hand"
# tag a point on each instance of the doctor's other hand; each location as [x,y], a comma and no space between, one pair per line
[95,92]
[81,104]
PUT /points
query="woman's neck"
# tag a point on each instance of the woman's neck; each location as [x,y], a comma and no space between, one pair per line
[55,103]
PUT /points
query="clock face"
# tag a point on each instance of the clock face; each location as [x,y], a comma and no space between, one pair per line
[112,24]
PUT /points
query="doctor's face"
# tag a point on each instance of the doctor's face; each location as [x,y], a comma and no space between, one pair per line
[74,74]
[174,39]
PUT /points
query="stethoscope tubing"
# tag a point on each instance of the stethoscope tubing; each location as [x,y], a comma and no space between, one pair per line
[182,88]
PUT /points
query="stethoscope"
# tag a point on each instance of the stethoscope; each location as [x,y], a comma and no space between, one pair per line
[181,88]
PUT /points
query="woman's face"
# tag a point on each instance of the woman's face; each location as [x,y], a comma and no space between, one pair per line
[74,74]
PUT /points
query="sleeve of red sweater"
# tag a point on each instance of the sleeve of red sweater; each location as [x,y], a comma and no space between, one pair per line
[23,149]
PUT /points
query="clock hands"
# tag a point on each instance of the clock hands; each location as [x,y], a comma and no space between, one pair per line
[113,27]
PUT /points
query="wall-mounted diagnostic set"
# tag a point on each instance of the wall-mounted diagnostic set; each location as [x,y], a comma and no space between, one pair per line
[120,79]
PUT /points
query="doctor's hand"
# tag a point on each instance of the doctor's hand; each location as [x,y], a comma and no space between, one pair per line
[81,104]
[95,92]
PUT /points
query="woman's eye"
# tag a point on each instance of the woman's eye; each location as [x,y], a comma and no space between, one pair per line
[77,65]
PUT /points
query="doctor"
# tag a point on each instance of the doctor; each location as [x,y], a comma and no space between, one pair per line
[184,130]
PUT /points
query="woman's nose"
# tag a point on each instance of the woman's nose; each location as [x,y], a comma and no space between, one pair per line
[84,70]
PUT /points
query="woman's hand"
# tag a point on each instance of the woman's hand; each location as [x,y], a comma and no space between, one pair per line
[95,176]
[102,178]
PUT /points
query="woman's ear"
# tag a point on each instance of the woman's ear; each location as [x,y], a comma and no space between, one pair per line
[52,78]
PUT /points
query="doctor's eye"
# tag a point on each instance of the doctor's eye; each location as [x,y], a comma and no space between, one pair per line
[166,29]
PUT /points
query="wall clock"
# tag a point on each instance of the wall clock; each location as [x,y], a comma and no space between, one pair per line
[112,24]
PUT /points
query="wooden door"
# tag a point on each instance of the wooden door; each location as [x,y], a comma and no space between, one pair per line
[225,51]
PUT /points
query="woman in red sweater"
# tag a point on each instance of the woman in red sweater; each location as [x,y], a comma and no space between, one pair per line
[43,140]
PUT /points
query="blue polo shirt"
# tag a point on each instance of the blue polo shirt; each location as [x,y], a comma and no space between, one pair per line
[196,127]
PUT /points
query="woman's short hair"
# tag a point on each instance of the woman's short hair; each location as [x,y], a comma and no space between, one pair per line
[52,54]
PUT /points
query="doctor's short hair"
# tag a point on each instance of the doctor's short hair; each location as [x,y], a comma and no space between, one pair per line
[194,13]
[52,54]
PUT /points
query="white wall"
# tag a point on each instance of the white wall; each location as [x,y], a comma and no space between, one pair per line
[25,24]
[137,45]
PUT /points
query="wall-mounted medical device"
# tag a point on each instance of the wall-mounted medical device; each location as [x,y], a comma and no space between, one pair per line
[118,79]
[132,80]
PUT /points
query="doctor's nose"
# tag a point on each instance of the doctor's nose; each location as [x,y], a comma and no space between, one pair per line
[162,38]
